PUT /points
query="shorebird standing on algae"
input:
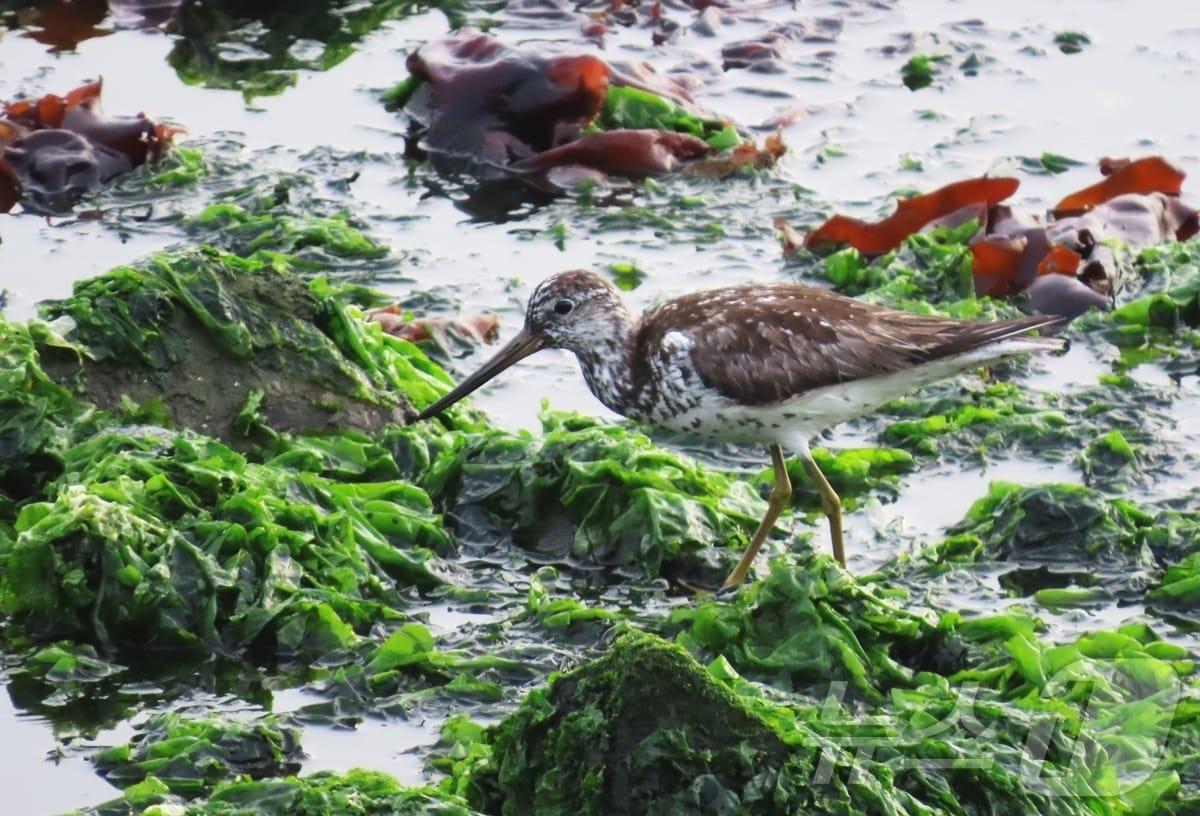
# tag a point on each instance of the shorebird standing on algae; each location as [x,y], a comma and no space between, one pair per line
[773,363]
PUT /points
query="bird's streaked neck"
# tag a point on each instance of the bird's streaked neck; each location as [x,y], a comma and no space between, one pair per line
[605,353]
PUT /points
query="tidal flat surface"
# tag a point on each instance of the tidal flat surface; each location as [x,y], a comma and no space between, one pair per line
[855,135]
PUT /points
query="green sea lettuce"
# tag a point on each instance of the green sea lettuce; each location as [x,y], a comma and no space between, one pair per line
[1158,314]
[803,626]
[852,473]
[1119,432]
[974,419]
[1013,519]
[38,416]
[628,108]
[246,231]
[596,492]
[165,540]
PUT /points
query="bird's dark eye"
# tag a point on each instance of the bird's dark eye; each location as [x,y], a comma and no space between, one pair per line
[563,307]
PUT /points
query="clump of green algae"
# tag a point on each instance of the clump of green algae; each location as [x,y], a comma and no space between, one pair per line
[190,755]
[354,793]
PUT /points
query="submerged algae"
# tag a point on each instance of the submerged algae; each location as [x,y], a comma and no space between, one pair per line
[1118,432]
[1053,535]
[190,755]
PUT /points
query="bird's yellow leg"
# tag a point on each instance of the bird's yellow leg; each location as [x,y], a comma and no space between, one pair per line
[781,494]
[830,502]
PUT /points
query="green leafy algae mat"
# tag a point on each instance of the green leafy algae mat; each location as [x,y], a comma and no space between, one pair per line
[291,525]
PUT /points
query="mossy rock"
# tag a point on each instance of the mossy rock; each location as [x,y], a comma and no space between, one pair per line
[206,333]
[643,730]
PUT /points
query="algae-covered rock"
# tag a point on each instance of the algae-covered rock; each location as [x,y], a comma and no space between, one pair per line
[641,730]
[204,332]
[644,729]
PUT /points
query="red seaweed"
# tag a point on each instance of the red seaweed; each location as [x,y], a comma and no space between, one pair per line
[1137,203]
[1153,174]
[911,215]
[538,115]
[489,100]
[623,152]
[995,263]
[58,148]
[10,187]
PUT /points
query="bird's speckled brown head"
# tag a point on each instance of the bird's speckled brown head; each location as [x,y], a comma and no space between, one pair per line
[573,309]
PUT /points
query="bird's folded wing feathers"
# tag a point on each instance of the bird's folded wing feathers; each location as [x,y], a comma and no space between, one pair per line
[772,343]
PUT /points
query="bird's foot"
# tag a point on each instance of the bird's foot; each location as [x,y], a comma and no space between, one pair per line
[700,592]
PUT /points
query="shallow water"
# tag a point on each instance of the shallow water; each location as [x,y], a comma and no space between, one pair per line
[857,140]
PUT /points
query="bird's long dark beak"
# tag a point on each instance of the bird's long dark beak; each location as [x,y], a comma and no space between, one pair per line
[515,350]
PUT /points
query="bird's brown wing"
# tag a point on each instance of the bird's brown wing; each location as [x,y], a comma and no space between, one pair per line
[762,344]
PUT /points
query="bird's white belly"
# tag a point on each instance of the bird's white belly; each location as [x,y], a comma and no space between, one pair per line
[793,422]
[783,422]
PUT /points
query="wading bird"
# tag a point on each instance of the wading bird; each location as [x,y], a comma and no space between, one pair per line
[773,363]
